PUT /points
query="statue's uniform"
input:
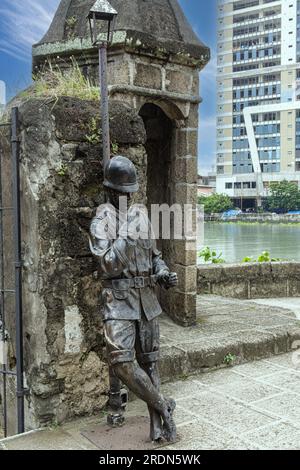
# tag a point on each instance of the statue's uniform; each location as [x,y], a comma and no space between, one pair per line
[129,270]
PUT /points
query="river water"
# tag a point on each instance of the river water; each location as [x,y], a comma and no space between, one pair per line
[236,241]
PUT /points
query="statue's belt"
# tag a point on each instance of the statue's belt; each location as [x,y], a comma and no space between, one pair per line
[138,282]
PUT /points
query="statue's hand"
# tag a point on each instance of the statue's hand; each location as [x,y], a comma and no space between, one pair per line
[167,279]
[172,280]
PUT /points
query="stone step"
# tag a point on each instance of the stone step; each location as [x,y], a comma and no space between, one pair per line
[228,332]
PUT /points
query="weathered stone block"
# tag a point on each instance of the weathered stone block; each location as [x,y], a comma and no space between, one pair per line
[118,72]
[172,363]
[268,288]
[178,81]
[186,169]
[186,143]
[266,269]
[187,276]
[182,307]
[148,76]
[294,287]
[73,126]
[242,271]
[186,194]
[238,290]
[195,84]
[211,273]
[184,252]
[281,270]
[293,270]
[193,117]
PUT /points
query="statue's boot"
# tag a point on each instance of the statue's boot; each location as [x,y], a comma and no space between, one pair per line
[169,426]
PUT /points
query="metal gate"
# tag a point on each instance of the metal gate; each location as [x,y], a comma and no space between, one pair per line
[11,319]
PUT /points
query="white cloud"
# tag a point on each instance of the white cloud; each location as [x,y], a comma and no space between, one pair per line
[23,23]
[2,93]
[209,74]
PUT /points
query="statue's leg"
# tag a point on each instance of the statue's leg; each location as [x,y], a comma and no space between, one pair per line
[116,406]
[147,349]
[156,429]
[120,340]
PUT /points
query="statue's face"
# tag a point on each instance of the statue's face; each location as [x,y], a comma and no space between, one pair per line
[114,198]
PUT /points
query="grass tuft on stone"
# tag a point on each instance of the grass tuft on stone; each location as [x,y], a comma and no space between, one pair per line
[55,82]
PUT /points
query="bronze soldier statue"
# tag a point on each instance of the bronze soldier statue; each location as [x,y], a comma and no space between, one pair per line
[130,267]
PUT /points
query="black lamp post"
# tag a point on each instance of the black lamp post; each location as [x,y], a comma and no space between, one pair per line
[104,14]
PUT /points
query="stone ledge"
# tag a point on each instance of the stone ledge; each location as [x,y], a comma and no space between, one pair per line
[241,328]
[250,281]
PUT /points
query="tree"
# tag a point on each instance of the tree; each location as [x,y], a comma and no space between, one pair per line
[285,196]
[215,203]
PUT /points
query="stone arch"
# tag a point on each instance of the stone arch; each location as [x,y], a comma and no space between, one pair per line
[171,110]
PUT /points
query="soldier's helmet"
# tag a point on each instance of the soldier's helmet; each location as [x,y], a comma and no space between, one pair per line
[120,175]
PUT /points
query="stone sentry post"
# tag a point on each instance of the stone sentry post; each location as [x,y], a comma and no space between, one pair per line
[153,84]
[153,67]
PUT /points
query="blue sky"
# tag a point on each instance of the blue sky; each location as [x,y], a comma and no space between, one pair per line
[23,22]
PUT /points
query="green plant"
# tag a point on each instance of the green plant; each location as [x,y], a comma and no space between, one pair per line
[265,257]
[94,136]
[248,259]
[54,82]
[216,203]
[115,148]
[209,255]
[63,170]
[230,359]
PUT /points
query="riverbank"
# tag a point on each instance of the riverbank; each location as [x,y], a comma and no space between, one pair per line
[266,218]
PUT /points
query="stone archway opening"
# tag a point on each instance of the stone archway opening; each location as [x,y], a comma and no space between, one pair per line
[159,147]
[159,130]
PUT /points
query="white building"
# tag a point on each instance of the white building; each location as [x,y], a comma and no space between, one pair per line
[258,122]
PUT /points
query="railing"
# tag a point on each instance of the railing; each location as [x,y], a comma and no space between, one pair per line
[10,204]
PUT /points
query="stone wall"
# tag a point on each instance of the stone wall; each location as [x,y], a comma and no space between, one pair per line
[61,175]
[250,281]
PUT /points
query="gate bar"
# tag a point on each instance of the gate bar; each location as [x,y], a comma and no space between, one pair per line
[18,267]
[7,372]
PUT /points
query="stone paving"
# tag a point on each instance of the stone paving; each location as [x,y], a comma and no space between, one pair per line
[246,330]
[251,406]
[254,405]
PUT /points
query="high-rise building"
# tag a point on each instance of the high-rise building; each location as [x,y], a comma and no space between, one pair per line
[258,83]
